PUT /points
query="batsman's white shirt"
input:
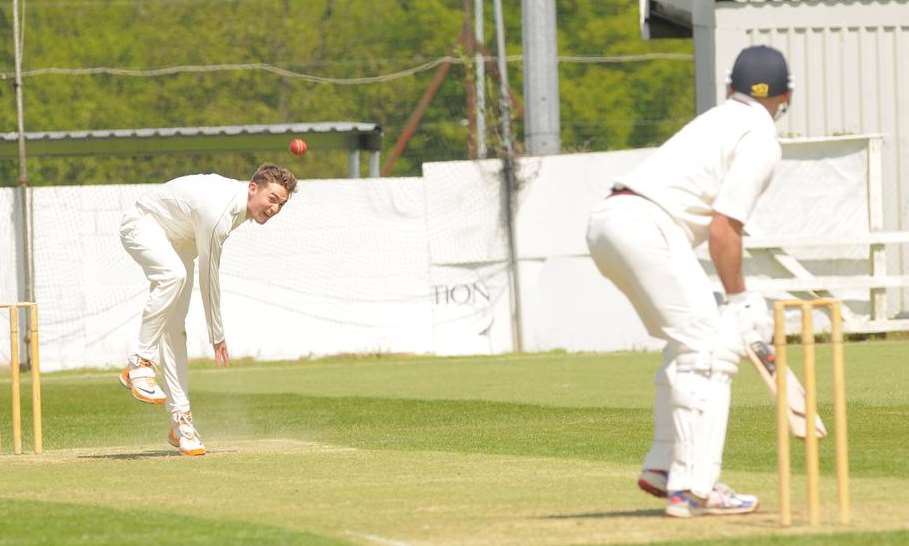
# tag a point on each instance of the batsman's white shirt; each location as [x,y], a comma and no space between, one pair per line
[200,210]
[719,162]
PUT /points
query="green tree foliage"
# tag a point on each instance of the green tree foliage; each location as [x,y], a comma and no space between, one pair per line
[604,106]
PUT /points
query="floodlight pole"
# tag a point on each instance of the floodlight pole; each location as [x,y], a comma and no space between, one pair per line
[541,77]
[510,183]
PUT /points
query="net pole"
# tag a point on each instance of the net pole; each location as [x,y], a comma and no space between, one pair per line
[509,183]
[25,194]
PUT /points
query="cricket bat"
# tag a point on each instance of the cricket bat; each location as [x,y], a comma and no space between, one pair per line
[761,355]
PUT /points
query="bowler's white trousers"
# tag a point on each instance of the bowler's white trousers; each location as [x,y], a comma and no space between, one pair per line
[641,249]
[169,269]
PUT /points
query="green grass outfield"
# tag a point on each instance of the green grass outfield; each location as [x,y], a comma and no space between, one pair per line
[539,449]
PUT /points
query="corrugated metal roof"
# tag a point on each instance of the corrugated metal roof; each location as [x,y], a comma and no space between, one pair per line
[224,130]
[149,141]
[673,18]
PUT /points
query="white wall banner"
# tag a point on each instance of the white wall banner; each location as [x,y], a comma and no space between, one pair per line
[464,304]
[404,265]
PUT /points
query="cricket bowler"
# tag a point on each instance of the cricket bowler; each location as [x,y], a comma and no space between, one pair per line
[164,232]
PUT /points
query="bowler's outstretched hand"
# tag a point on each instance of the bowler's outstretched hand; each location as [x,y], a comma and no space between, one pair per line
[222,358]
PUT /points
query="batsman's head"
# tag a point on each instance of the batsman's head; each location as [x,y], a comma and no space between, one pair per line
[761,72]
[269,189]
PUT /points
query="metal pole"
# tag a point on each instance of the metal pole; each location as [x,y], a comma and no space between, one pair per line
[20,114]
[510,186]
[25,195]
[481,79]
[469,42]
[353,163]
[541,77]
[374,164]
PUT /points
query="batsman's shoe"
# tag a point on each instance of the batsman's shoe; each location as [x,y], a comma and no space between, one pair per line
[722,501]
[684,504]
[653,481]
[140,380]
[183,435]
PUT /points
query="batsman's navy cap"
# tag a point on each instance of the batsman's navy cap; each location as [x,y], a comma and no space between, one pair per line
[760,71]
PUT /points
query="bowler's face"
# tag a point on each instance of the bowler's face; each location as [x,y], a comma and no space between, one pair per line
[265,201]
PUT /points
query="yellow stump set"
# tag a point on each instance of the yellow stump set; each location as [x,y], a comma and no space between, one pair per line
[839,408]
[32,309]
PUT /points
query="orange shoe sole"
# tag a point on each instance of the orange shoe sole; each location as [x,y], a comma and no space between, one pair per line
[174,441]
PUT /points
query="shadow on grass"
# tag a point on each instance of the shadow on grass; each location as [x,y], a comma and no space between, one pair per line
[150,454]
[654,513]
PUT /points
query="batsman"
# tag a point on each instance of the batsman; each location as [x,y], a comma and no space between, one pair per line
[700,185]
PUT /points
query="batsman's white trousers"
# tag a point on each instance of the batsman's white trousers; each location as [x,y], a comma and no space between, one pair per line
[641,249]
[169,270]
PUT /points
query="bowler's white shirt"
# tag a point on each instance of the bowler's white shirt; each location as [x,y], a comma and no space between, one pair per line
[200,211]
[721,162]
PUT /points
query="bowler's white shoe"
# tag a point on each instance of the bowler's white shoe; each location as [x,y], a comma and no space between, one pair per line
[140,380]
[183,435]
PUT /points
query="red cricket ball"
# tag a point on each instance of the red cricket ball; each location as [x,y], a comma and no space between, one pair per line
[298,146]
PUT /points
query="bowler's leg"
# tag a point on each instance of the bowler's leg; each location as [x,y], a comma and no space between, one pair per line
[174,362]
[172,354]
[148,245]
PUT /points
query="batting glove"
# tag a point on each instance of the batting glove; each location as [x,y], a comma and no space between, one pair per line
[750,311]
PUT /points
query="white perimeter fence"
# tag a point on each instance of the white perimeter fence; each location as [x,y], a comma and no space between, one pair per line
[418,265]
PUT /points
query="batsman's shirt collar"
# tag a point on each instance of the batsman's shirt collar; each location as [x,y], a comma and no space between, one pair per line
[748,101]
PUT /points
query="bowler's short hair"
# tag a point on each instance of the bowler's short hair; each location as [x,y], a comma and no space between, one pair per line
[269,173]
